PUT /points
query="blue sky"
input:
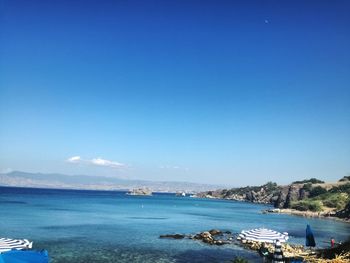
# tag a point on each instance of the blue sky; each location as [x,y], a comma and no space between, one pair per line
[229,92]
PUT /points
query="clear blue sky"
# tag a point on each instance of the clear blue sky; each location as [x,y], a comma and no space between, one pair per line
[229,92]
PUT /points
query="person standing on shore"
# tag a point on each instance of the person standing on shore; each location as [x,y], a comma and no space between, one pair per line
[332,242]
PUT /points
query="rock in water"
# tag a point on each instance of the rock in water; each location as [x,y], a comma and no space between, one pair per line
[175,236]
[211,237]
[215,232]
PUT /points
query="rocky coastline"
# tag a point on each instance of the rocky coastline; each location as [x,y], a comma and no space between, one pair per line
[339,254]
[311,198]
[221,237]
[324,215]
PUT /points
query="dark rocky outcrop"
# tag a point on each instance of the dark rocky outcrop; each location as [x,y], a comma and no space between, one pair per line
[303,194]
[215,232]
[281,198]
[345,213]
[211,237]
[289,194]
[214,237]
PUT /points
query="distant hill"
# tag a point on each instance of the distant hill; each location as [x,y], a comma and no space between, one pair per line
[62,181]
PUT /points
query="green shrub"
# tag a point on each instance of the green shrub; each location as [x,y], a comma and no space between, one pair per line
[323,197]
[307,205]
[307,187]
[345,188]
[318,190]
[338,201]
[301,206]
[270,186]
[315,206]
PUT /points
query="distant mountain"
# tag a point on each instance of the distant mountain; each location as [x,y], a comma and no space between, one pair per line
[62,181]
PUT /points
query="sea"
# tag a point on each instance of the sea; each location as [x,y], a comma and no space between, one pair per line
[109,226]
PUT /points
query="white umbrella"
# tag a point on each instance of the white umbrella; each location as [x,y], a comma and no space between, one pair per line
[263,235]
[7,244]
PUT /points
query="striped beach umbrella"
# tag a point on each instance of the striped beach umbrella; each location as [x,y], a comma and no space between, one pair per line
[263,235]
[7,244]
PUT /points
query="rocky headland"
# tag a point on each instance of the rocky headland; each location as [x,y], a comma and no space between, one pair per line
[311,197]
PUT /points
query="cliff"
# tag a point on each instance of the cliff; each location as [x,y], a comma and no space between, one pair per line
[270,193]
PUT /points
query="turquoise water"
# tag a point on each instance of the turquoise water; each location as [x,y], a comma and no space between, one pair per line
[98,226]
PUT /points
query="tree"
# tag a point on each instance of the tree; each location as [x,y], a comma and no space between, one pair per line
[318,190]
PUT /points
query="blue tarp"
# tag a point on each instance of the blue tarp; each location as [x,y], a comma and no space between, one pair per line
[24,256]
[310,240]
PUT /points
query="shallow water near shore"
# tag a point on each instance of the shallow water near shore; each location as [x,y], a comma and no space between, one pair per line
[101,226]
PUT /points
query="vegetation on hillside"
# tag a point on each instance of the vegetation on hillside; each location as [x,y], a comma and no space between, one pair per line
[344,188]
[311,180]
[316,191]
[345,179]
[319,198]
[307,205]
[269,187]
[307,195]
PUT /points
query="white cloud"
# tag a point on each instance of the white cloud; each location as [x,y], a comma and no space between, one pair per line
[173,167]
[102,162]
[74,159]
[96,161]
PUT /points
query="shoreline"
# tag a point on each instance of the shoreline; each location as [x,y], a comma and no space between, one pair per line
[289,211]
[321,215]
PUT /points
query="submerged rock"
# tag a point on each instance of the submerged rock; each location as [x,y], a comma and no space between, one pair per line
[174,236]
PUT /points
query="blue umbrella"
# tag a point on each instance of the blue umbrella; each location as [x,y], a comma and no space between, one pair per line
[24,256]
[310,240]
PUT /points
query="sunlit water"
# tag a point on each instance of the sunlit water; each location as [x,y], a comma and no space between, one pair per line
[98,226]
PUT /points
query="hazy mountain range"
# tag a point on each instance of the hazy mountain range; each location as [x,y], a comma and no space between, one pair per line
[62,181]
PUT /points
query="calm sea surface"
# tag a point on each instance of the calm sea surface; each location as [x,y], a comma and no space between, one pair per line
[98,226]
